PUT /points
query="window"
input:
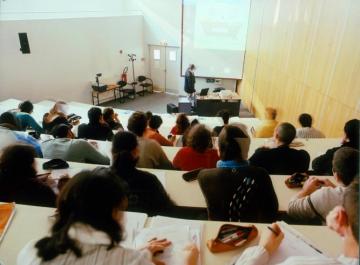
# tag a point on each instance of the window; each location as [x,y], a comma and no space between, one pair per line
[172,56]
[156,54]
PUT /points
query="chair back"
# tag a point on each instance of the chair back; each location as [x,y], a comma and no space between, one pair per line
[141,78]
[121,83]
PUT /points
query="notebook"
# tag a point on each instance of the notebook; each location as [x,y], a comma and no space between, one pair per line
[7,211]
[180,232]
[293,244]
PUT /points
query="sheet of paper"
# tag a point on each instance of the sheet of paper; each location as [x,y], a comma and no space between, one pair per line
[179,235]
[133,223]
[294,244]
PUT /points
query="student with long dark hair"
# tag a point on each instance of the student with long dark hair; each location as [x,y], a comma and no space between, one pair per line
[146,194]
[18,182]
[88,228]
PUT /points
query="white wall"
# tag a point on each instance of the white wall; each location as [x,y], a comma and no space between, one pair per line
[162,24]
[45,9]
[65,55]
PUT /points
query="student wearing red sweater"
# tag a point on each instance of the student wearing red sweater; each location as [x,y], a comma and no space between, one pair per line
[198,153]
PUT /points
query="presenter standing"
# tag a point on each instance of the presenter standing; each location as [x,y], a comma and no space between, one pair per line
[189,85]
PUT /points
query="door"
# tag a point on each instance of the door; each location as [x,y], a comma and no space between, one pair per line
[157,67]
[172,70]
[165,68]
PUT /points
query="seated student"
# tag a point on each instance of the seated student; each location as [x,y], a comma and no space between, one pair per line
[146,194]
[344,220]
[148,115]
[267,126]
[220,184]
[18,182]
[97,128]
[57,115]
[112,119]
[225,116]
[282,159]
[322,164]
[152,132]
[88,229]
[314,202]
[151,153]
[306,131]
[182,123]
[25,119]
[69,149]
[197,153]
[9,134]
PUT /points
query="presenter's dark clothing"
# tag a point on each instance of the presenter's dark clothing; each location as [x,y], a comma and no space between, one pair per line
[99,131]
[189,85]
[145,192]
[220,184]
[282,160]
[322,165]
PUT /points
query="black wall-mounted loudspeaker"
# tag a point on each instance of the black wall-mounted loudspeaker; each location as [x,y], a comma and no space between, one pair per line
[24,43]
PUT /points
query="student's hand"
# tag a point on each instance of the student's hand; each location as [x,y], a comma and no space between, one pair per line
[328,183]
[75,122]
[62,181]
[156,246]
[269,240]
[311,185]
[191,254]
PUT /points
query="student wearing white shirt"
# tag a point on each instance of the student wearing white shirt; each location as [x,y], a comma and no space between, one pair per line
[306,131]
[88,228]
[344,220]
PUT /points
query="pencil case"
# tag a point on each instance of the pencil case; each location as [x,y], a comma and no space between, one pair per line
[231,237]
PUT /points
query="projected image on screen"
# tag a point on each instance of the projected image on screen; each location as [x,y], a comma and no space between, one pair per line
[214,36]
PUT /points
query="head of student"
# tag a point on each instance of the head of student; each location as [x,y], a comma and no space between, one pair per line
[199,138]
[225,116]
[305,120]
[352,132]
[345,219]
[95,115]
[125,153]
[79,208]
[62,131]
[148,115]
[26,106]
[233,144]
[345,164]
[284,133]
[182,123]
[8,120]
[270,113]
[155,122]
[108,114]
[137,123]
[17,163]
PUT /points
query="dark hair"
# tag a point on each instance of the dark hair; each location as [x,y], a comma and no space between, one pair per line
[199,138]
[77,203]
[9,118]
[191,66]
[182,123]
[351,205]
[155,122]
[107,113]
[137,123]
[229,148]
[16,163]
[148,115]
[225,115]
[286,133]
[351,130]
[305,120]
[26,106]
[346,164]
[123,161]
[94,115]
[60,131]
[194,122]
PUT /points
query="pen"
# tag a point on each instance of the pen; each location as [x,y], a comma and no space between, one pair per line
[272,230]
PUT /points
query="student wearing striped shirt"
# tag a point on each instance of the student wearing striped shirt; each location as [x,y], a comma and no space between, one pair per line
[88,229]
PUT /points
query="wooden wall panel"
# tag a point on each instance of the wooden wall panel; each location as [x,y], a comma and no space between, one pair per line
[304,56]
